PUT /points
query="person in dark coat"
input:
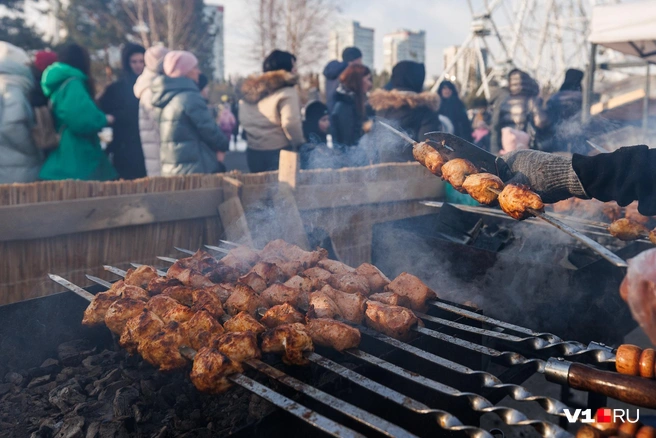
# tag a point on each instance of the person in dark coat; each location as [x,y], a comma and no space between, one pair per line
[406,107]
[452,107]
[521,109]
[316,154]
[119,101]
[349,114]
[564,112]
[350,55]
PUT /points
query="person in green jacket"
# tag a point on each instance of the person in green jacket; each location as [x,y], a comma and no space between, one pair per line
[69,87]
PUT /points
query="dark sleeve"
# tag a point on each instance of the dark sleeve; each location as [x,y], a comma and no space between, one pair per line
[465,125]
[342,126]
[109,102]
[625,175]
[199,114]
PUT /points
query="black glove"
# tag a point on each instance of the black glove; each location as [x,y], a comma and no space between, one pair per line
[550,176]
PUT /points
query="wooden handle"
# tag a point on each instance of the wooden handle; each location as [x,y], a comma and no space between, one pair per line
[634,361]
[629,389]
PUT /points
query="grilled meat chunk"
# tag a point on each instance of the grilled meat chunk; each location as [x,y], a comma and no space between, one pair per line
[335,267]
[375,278]
[429,157]
[322,306]
[182,294]
[280,249]
[243,298]
[238,346]
[223,273]
[351,283]
[351,306]
[455,171]
[394,321]
[223,291]
[515,199]
[281,314]
[477,186]
[244,254]
[243,322]
[199,331]
[188,276]
[270,272]
[333,334]
[412,288]
[280,294]
[163,349]
[141,276]
[626,229]
[211,370]
[157,285]
[96,310]
[134,292]
[305,284]
[208,300]
[139,329]
[254,281]
[319,274]
[169,309]
[291,340]
[121,311]
[390,298]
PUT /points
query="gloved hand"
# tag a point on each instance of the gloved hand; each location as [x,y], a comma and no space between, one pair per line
[550,176]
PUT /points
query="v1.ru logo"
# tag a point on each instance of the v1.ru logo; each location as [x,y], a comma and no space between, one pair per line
[604,415]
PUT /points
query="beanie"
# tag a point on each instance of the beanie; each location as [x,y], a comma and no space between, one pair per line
[154,56]
[351,54]
[179,63]
[43,59]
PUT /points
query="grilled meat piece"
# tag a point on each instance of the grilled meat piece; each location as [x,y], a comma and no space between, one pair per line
[412,288]
[626,229]
[169,309]
[322,306]
[182,294]
[243,298]
[515,199]
[320,274]
[333,334]
[188,276]
[281,314]
[429,157]
[211,370]
[305,284]
[376,279]
[121,311]
[157,285]
[208,300]
[134,292]
[223,290]
[140,328]
[141,276]
[199,331]
[351,306]
[390,298]
[351,283]
[477,186]
[270,272]
[394,321]
[280,294]
[201,261]
[280,249]
[244,254]
[243,322]
[96,310]
[254,281]
[291,340]
[224,274]
[455,171]
[163,349]
[335,267]
[238,346]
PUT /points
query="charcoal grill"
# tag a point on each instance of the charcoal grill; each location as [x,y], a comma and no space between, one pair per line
[428,387]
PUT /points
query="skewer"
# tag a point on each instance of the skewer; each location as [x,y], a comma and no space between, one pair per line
[218,249]
[186,251]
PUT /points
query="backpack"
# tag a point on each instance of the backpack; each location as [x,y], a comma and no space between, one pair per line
[44,134]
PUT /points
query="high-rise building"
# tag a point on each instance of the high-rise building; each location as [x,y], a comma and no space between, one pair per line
[215,15]
[403,45]
[349,33]
[466,65]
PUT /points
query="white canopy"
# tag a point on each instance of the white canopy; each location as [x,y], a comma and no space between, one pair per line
[628,28]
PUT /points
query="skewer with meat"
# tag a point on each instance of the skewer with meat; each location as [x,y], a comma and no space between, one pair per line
[281,314]
[456,171]
[351,306]
[200,330]
[244,322]
[169,309]
[351,282]
[121,311]
[390,298]
[163,349]
[157,285]
[238,346]
[322,306]
[141,276]
[626,229]
[515,200]
[208,300]
[289,339]
[413,289]
[429,157]
[277,249]
[281,294]
[243,298]
[333,334]
[375,278]
[140,328]
[334,267]
[211,369]
[97,309]
[394,321]
[478,186]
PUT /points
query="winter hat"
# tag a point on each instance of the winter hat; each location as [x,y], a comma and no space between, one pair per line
[43,59]
[154,57]
[128,50]
[447,84]
[9,52]
[408,75]
[573,78]
[279,60]
[314,111]
[179,63]
[351,54]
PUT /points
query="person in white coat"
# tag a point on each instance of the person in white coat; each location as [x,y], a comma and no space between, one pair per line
[20,160]
[148,126]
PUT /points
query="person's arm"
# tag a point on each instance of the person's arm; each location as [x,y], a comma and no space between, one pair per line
[290,118]
[77,111]
[197,111]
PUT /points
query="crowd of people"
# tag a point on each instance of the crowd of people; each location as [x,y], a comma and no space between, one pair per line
[161,123]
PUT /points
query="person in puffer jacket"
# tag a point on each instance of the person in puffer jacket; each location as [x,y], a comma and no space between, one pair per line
[521,109]
[148,126]
[20,159]
[191,141]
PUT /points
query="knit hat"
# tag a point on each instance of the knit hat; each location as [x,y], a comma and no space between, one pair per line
[9,52]
[43,59]
[573,78]
[351,54]
[154,56]
[179,63]
[408,76]
[279,60]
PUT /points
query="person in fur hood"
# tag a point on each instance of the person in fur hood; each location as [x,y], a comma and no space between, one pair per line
[407,108]
[270,112]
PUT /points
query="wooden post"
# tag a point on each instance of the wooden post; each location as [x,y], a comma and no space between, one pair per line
[289,167]
[284,202]
[232,213]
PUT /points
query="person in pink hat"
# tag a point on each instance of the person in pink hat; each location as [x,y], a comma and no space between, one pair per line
[190,140]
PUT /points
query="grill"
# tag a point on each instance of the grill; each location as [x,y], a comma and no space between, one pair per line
[431,386]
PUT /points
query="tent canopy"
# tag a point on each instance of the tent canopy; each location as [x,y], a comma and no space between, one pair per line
[628,28]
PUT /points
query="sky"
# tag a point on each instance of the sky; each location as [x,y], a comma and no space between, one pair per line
[446,23]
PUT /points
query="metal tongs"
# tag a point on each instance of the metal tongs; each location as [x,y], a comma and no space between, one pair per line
[455,147]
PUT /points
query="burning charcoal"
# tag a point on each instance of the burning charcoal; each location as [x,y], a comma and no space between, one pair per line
[258,407]
[47,428]
[38,381]
[105,357]
[49,366]
[44,389]
[73,352]
[110,377]
[14,378]
[94,410]
[110,391]
[123,401]
[72,428]
[66,396]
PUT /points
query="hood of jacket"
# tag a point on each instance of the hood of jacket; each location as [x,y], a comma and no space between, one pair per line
[16,74]
[256,88]
[55,75]
[165,88]
[144,81]
[333,69]
[127,52]
[394,99]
